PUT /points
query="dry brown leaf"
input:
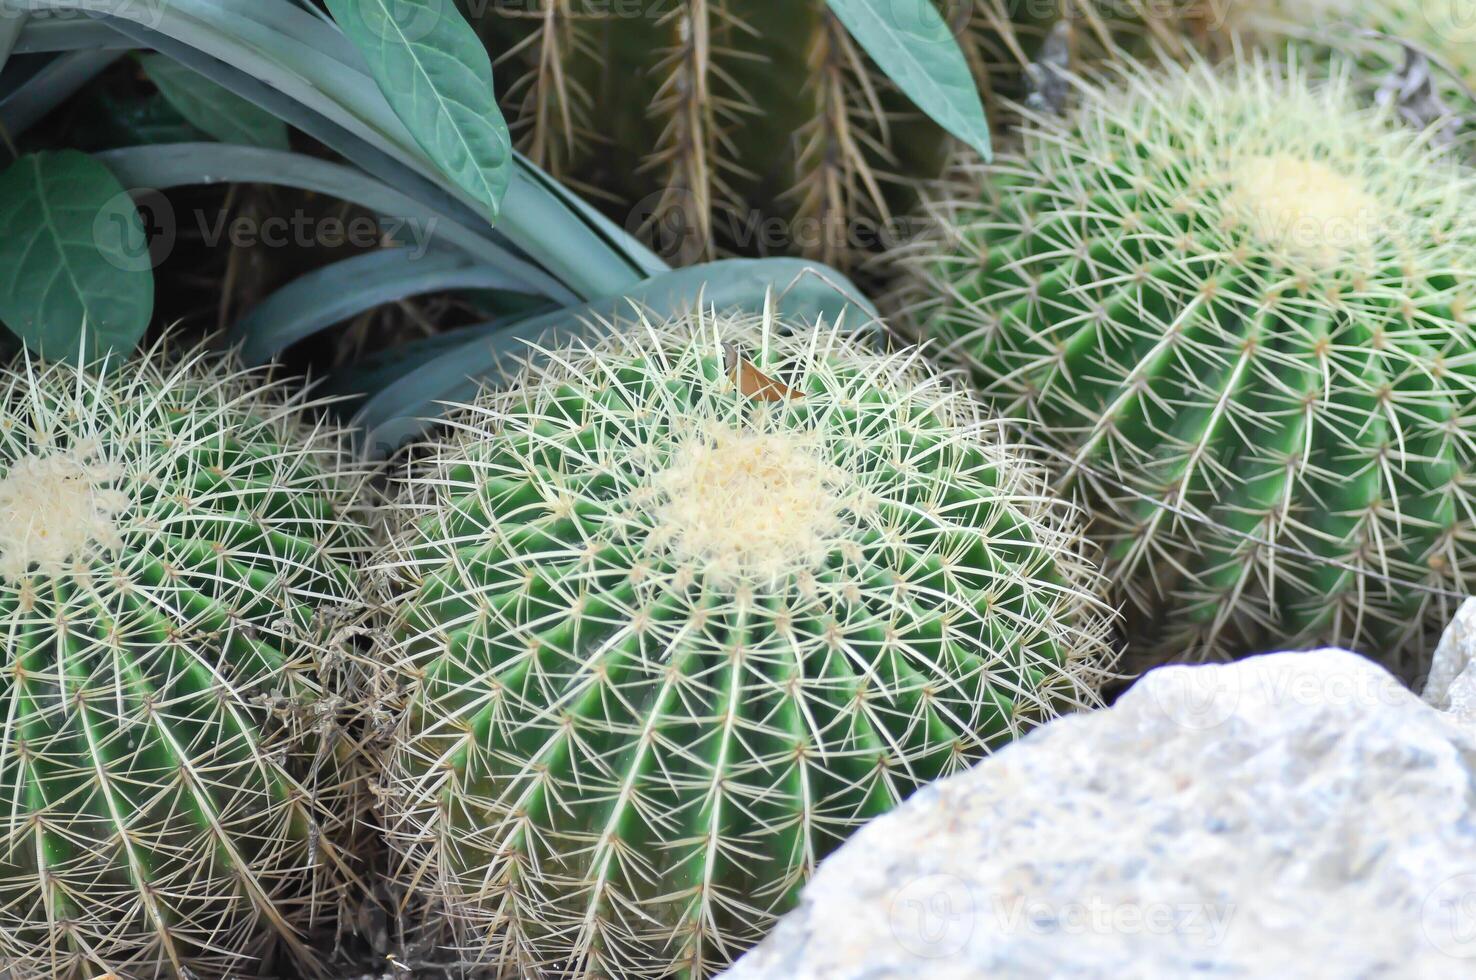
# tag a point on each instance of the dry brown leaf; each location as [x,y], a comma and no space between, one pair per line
[753,382]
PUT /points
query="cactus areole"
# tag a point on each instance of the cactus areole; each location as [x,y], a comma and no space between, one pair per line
[1239,301]
[167,533]
[681,610]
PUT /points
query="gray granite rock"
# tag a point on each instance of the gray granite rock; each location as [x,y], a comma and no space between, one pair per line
[1451,686]
[1289,816]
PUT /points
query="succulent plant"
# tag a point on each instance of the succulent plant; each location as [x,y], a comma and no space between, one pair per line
[681,609]
[170,533]
[1239,303]
[754,125]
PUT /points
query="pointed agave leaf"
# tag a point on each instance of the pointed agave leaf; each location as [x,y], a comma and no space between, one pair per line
[334,293]
[49,35]
[304,70]
[640,258]
[12,22]
[914,46]
[212,109]
[73,256]
[189,164]
[436,75]
[42,92]
[401,407]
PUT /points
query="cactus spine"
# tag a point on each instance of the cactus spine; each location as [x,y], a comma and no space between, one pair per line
[672,633]
[167,533]
[1241,303]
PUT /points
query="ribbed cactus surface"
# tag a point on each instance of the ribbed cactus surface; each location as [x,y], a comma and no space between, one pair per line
[757,126]
[1239,302]
[169,533]
[679,611]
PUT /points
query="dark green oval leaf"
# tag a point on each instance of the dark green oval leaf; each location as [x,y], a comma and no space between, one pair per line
[910,41]
[435,73]
[212,109]
[73,255]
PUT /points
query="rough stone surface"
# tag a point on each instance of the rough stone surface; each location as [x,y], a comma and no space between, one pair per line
[1295,815]
[1452,683]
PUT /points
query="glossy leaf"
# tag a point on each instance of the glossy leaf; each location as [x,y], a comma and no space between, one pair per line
[211,109]
[916,48]
[73,256]
[435,73]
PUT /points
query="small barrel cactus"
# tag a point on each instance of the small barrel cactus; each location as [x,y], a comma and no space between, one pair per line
[1239,301]
[679,611]
[169,532]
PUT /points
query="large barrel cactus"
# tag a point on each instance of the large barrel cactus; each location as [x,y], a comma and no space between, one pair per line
[171,535]
[679,611]
[1239,302]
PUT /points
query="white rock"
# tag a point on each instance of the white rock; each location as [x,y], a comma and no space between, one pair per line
[1452,682]
[1290,816]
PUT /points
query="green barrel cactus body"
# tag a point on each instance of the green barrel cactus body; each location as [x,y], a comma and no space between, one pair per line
[168,534]
[674,632]
[1239,303]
